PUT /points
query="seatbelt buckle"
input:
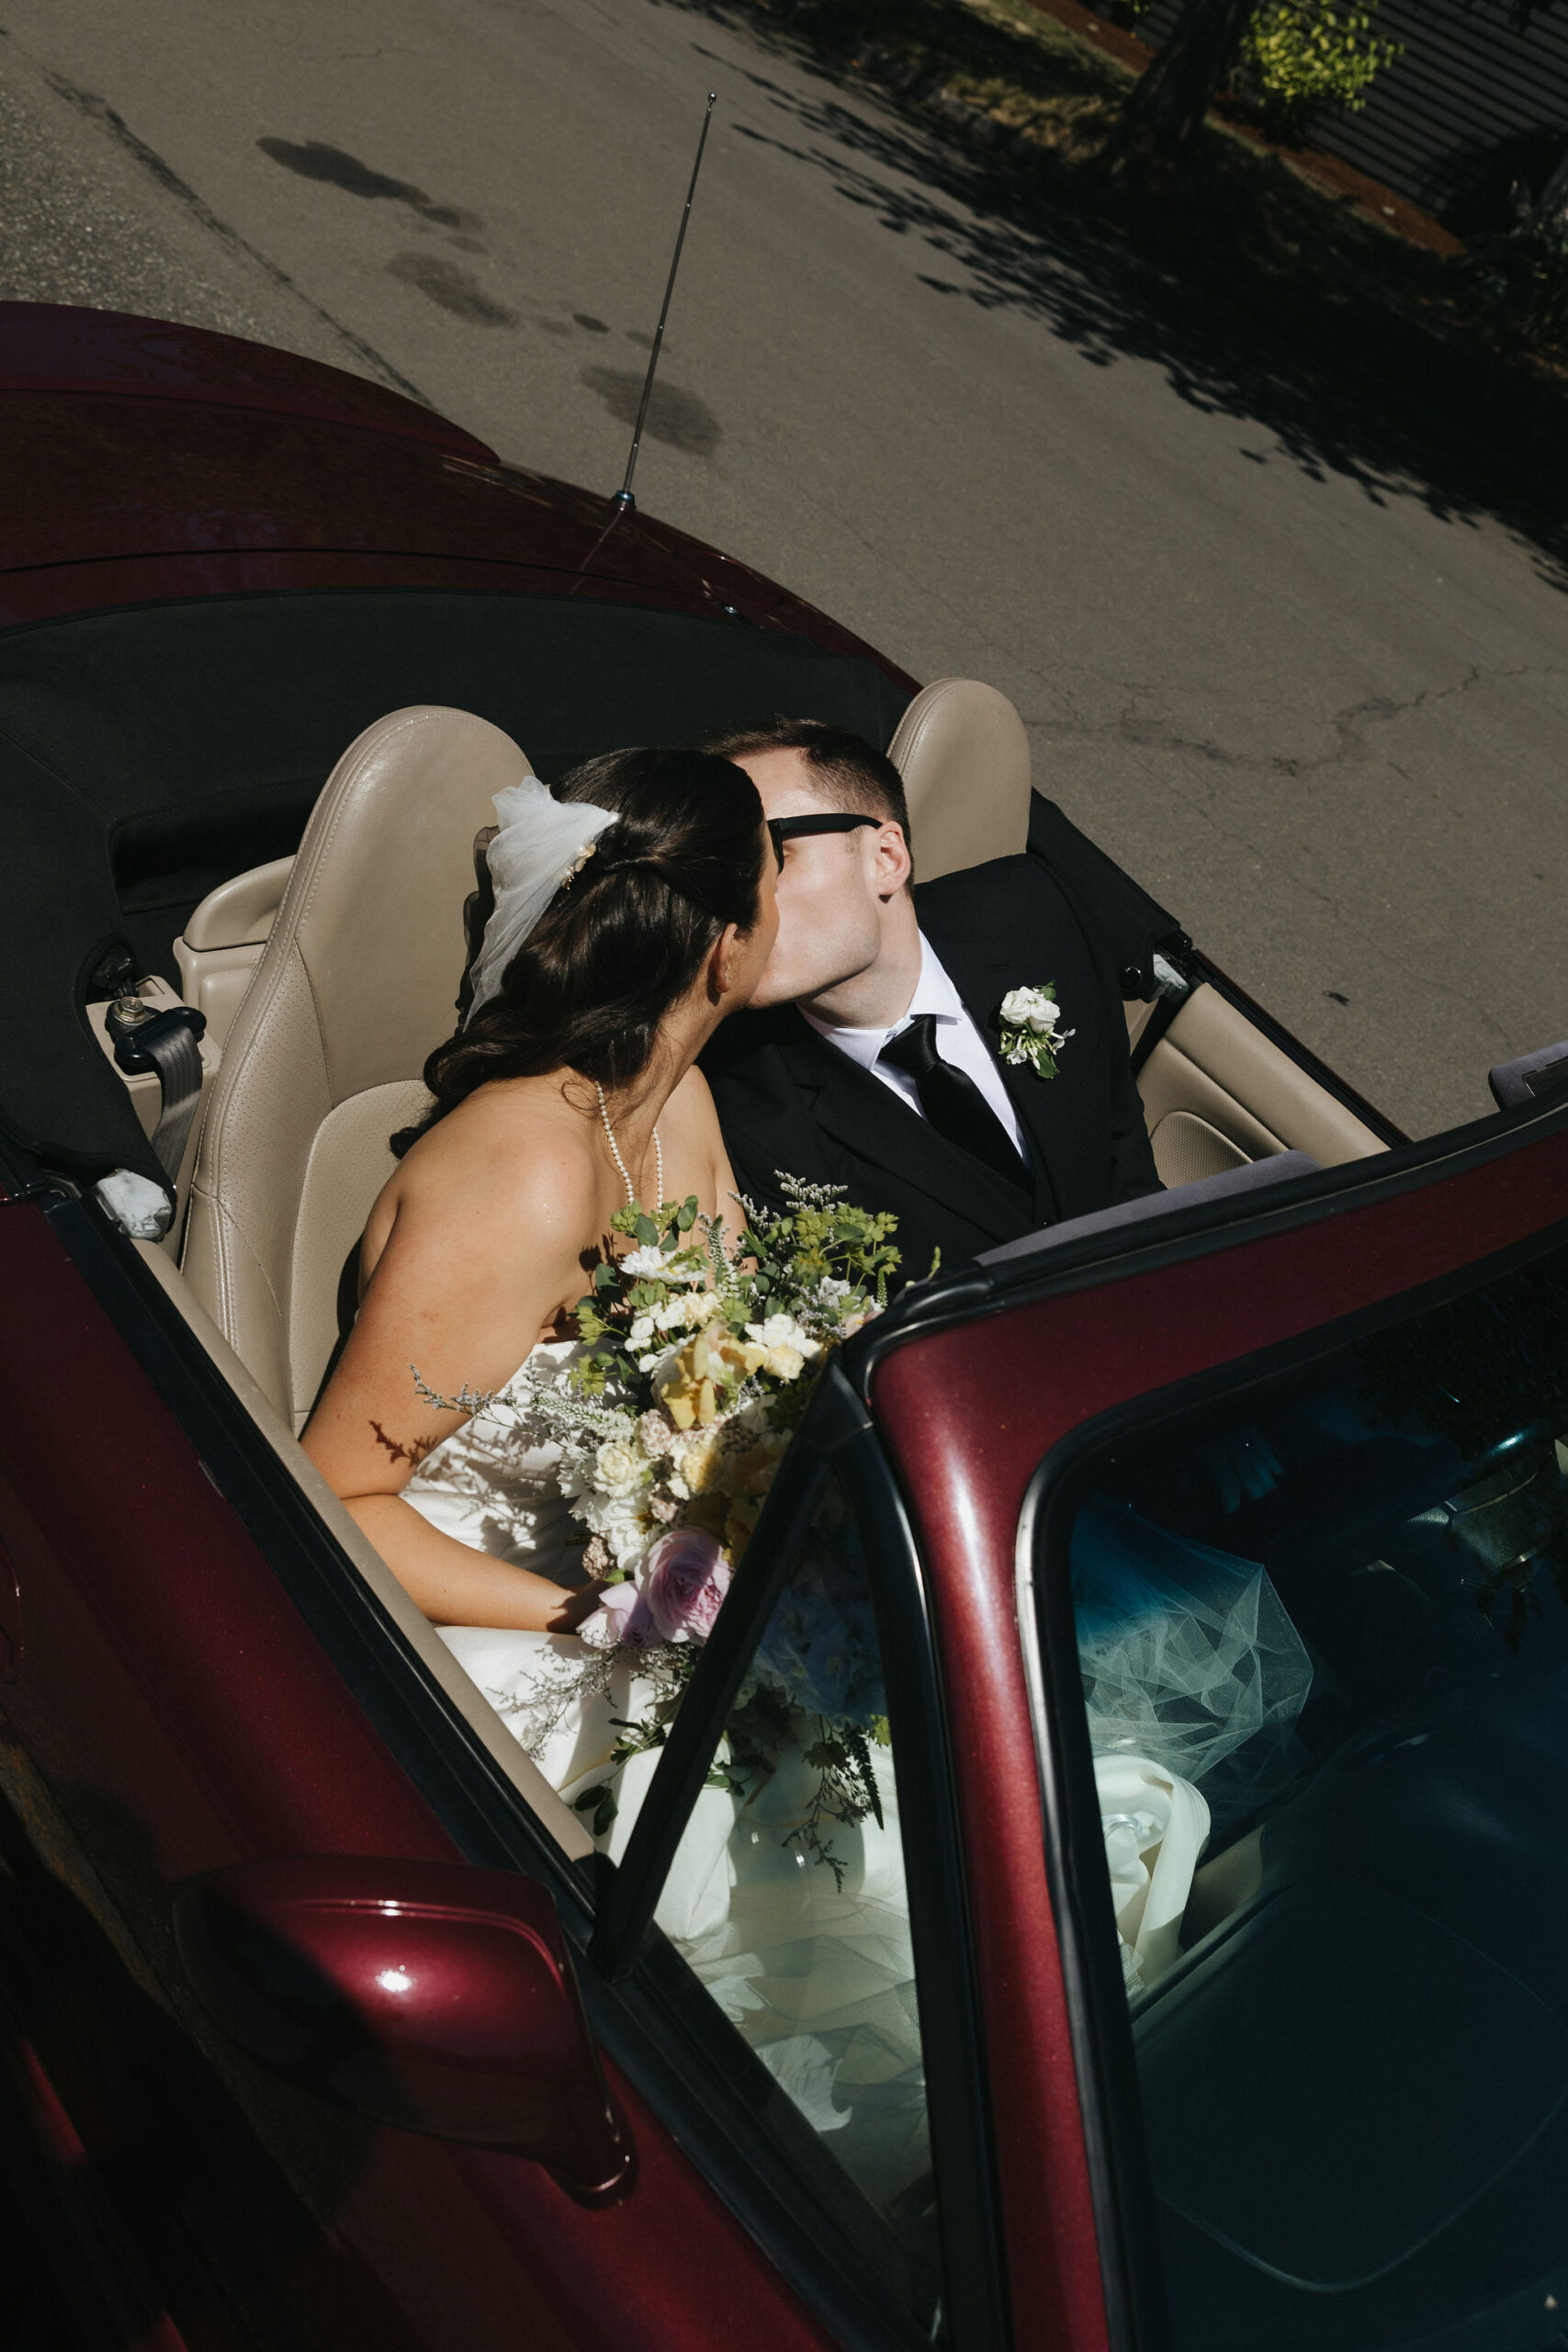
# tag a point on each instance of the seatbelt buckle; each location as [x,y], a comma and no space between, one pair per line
[135,1028]
[167,1046]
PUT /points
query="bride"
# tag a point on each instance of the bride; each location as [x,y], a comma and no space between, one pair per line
[634,910]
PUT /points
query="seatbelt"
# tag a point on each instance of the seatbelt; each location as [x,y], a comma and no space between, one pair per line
[166,1046]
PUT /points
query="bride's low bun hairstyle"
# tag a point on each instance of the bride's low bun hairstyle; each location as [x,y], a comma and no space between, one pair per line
[623,942]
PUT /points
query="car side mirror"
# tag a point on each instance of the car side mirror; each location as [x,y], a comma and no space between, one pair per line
[429,1995]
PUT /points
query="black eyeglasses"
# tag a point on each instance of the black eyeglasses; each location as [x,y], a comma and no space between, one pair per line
[789,829]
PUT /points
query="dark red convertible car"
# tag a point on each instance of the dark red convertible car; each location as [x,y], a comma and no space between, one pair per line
[1211,1995]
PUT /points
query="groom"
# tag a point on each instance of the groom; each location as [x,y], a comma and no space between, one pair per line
[871,1055]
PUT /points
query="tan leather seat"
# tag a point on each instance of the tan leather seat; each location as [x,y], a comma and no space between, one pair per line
[224,940]
[963,756]
[354,988]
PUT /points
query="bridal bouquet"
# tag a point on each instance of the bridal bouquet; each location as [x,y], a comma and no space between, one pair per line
[696,1365]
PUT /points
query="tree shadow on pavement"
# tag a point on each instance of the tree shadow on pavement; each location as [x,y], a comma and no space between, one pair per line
[1002,236]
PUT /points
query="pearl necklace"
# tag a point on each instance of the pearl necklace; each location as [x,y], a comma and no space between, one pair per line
[615,1153]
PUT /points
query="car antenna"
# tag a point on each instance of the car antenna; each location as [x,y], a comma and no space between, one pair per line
[624,498]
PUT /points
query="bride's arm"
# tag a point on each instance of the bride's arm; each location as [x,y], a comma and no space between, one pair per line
[471,1271]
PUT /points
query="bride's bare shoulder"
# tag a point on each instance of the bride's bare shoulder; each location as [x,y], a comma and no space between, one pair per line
[513,1157]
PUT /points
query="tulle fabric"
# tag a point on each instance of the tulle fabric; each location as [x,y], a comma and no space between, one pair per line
[540,841]
[1187,1657]
[1193,1680]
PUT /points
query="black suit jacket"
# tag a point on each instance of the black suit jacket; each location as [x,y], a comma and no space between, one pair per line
[789,1101]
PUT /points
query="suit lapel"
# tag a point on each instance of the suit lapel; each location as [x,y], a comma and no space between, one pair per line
[880,1127]
[982,971]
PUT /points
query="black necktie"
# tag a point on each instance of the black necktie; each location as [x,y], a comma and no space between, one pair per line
[953,1103]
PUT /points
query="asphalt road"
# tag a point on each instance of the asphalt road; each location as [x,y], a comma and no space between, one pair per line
[1294,668]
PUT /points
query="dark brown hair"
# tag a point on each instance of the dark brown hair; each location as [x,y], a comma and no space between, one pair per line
[624,939]
[847,772]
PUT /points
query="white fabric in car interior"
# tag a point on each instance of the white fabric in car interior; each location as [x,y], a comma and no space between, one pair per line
[1156,1829]
[1187,1659]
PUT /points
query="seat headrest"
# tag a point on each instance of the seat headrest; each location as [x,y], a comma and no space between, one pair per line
[374,905]
[963,756]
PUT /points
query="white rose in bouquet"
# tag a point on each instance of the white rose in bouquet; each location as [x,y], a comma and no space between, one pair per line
[787,1347]
[618,1467]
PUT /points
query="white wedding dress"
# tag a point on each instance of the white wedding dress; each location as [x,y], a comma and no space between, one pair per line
[494,1486]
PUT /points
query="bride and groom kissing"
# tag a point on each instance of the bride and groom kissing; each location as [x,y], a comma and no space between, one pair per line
[703,966]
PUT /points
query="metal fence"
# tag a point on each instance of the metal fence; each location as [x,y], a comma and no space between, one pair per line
[1472,104]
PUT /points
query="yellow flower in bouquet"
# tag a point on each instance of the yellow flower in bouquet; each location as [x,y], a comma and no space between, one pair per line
[692,1386]
[721,1472]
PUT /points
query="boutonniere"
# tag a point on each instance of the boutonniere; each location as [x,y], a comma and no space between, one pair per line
[1031,1028]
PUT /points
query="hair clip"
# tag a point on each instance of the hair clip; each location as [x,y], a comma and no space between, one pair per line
[578,863]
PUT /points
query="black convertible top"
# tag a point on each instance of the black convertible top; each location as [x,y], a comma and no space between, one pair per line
[149,753]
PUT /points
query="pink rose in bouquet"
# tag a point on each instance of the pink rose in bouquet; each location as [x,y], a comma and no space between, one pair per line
[623,1616]
[683,1581]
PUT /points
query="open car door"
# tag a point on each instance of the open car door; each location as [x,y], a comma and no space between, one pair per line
[1246,1526]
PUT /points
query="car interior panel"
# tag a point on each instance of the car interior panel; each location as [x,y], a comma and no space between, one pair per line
[1146,1208]
[1197,1126]
[1532,1078]
[1213,1062]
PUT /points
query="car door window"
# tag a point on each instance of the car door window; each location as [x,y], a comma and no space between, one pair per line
[788,1901]
[1317,1763]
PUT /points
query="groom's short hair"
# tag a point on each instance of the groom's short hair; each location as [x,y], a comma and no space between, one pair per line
[847,772]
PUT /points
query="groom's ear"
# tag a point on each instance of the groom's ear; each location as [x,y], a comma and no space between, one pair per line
[894,867]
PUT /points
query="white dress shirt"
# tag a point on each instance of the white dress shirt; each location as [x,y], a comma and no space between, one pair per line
[955,1038]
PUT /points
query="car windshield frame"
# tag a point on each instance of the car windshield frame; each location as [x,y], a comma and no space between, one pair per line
[1102,2017]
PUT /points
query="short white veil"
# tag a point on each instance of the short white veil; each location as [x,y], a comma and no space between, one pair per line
[541,840]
